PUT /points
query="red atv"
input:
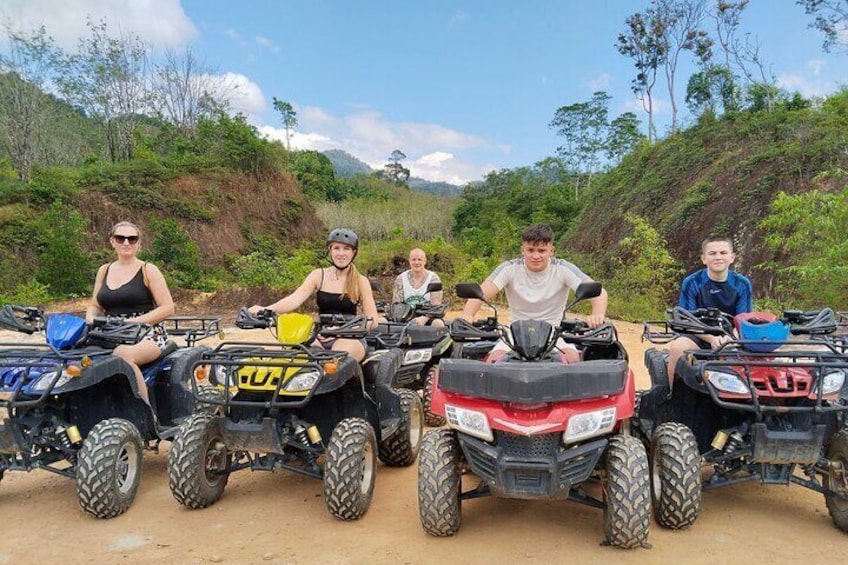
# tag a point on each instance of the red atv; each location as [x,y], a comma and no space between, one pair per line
[531,427]
[768,406]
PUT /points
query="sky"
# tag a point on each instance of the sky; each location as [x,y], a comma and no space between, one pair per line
[461,87]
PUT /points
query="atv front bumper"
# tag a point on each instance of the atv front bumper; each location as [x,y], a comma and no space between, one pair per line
[532,467]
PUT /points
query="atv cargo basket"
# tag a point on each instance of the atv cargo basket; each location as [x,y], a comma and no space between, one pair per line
[533,382]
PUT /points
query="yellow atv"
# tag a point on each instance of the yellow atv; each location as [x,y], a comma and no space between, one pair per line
[291,406]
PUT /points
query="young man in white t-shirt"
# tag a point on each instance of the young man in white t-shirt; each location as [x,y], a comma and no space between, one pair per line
[536,287]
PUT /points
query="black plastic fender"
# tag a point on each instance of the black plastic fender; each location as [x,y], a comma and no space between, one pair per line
[171,393]
[379,372]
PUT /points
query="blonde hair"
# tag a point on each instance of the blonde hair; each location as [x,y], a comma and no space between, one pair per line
[351,288]
[125,224]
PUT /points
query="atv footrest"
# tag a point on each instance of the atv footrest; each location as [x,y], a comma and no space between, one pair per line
[771,446]
[533,475]
[262,437]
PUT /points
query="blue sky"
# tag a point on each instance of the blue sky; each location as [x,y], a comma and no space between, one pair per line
[461,87]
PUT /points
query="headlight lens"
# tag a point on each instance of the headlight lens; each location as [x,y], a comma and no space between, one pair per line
[727,382]
[218,376]
[417,356]
[832,381]
[302,381]
[43,382]
[471,422]
[589,424]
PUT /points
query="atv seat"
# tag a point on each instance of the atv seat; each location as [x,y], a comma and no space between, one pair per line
[149,369]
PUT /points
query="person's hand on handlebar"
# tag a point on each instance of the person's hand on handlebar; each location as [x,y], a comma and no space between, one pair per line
[594,320]
[255,309]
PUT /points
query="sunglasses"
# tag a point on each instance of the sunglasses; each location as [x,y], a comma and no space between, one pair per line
[131,239]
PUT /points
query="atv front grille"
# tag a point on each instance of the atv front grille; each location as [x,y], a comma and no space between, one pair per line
[789,385]
[528,446]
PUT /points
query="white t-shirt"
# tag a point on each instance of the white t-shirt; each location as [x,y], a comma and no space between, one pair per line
[537,296]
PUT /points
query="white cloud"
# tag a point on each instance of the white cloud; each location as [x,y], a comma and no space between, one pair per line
[816,66]
[601,82]
[267,43]
[433,152]
[808,88]
[243,94]
[161,23]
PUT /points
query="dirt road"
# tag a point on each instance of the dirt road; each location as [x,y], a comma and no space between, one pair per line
[280,518]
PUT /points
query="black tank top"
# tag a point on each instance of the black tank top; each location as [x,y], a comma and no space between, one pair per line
[333,302]
[133,297]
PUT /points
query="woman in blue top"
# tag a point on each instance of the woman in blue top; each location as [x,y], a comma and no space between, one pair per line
[339,289]
[137,291]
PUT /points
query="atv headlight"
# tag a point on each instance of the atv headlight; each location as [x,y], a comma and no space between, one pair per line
[589,424]
[831,382]
[302,381]
[218,376]
[471,422]
[417,356]
[43,382]
[727,382]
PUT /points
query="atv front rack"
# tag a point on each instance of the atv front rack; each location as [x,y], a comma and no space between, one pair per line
[261,359]
[23,364]
[730,358]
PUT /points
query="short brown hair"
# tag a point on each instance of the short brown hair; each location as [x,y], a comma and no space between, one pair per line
[714,238]
[538,233]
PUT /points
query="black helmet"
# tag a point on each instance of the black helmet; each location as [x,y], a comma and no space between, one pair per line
[344,235]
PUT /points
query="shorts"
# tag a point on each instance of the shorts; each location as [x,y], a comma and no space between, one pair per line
[158,335]
[501,346]
[328,342]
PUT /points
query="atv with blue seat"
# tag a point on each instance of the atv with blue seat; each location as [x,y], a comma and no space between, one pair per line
[289,405]
[70,407]
[420,346]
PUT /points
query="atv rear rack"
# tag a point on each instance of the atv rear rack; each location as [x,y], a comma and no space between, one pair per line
[192,328]
[233,356]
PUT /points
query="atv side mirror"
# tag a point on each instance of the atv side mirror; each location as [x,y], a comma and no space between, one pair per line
[588,289]
[434,287]
[469,290]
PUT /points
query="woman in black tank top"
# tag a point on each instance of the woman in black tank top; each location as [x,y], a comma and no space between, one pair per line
[136,290]
[339,289]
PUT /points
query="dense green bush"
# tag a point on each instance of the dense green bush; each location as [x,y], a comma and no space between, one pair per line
[176,254]
[63,266]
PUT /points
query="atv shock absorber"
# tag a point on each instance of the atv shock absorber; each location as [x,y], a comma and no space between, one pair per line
[727,442]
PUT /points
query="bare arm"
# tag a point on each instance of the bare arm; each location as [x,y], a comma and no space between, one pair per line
[161,297]
[295,299]
[94,308]
[473,305]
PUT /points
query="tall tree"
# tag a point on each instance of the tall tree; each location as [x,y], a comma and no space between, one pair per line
[712,91]
[679,24]
[641,42]
[184,90]
[394,169]
[108,78]
[24,113]
[623,136]
[288,116]
[831,19]
[584,128]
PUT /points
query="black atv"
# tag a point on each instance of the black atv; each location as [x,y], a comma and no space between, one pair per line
[72,408]
[288,405]
[767,406]
[421,346]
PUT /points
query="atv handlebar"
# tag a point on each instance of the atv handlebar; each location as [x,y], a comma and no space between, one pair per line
[480,330]
[24,319]
[111,331]
[263,319]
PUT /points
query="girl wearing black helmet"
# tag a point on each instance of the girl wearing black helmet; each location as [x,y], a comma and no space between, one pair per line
[340,289]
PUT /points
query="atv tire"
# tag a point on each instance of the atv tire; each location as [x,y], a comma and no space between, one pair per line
[109,468]
[199,462]
[439,483]
[627,493]
[401,448]
[209,392]
[431,419]
[675,476]
[837,451]
[349,470]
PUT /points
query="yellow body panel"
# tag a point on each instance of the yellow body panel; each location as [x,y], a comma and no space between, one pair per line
[294,327]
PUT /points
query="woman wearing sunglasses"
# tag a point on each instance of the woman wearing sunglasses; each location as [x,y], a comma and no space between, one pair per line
[135,290]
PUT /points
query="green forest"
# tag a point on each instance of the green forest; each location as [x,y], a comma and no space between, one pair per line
[88,139]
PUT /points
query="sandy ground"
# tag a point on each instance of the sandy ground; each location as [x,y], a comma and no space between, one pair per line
[280,518]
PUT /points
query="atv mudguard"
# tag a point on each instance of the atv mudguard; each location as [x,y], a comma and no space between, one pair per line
[379,373]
